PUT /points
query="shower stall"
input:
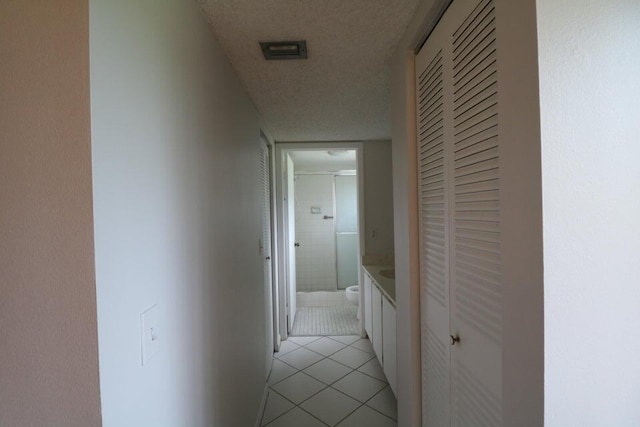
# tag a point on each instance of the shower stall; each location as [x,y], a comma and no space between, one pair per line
[326,229]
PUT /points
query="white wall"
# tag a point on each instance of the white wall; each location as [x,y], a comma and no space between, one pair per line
[378,198]
[321,161]
[590,100]
[316,256]
[405,219]
[177,219]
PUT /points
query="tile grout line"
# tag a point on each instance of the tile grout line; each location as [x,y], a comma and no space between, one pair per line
[354,410]
[330,385]
[386,381]
[279,381]
[289,410]
[371,398]
[295,405]
[326,386]
[360,403]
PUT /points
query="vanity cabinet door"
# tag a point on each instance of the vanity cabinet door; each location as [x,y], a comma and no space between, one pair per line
[376,319]
[389,342]
[367,305]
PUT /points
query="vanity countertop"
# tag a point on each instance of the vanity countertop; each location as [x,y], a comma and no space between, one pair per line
[386,285]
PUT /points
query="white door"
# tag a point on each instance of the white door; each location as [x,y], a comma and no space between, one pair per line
[476,267]
[291,243]
[346,229]
[461,263]
[434,211]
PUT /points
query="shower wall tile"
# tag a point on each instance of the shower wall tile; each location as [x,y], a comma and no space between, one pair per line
[316,256]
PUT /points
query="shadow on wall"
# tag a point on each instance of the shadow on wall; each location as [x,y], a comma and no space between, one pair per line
[175,224]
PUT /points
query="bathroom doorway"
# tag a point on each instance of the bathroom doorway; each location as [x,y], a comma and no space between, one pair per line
[321,202]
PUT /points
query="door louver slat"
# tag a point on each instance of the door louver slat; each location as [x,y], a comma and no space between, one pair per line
[477,269]
[477,405]
[479,165]
[435,380]
[433,285]
[432,172]
[459,167]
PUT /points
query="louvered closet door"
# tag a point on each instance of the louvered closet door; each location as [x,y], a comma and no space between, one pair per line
[434,123]
[476,284]
[466,38]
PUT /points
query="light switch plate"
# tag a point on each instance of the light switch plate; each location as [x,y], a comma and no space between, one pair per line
[149,321]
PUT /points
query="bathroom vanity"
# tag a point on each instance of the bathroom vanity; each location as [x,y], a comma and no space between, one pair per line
[380,316]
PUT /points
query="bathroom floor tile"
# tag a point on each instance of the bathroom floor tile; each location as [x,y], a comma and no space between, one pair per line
[327,371]
[301,358]
[363,344]
[325,346]
[385,402]
[298,387]
[276,406]
[303,340]
[296,418]
[320,381]
[352,357]
[286,347]
[330,406]
[345,339]
[359,386]
[365,416]
[373,369]
[280,371]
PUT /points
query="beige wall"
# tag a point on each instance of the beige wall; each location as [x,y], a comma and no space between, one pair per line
[48,337]
[520,214]
[378,197]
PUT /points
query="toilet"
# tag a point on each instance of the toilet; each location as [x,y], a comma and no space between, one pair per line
[353,294]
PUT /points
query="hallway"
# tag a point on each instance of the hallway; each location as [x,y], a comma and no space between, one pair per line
[328,381]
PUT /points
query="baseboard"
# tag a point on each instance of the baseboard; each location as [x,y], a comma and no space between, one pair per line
[265,394]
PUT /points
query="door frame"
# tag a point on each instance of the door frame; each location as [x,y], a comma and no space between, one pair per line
[266,138]
[281,152]
[406,196]
[290,243]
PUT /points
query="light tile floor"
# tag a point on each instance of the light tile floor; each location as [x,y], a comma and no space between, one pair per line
[328,381]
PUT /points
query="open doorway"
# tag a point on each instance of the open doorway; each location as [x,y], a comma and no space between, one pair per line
[321,222]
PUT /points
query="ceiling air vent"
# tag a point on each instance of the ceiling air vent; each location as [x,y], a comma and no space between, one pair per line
[284,50]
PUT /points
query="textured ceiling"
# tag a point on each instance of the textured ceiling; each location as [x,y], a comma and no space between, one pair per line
[315,161]
[342,91]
